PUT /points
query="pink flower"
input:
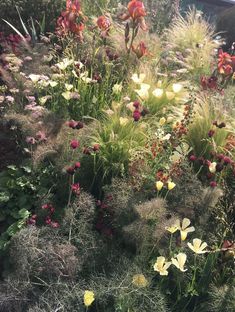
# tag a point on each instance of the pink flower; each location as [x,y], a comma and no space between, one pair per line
[32,220]
[54,224]
[41,136]
[96,147]
[77,165]
[74,144]
[72,124]
[213,184]
[30,140]
[76,188]
[48,220]
[192,158]
[227,160]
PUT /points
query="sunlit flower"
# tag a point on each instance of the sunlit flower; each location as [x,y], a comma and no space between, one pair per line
[68,87]
[34,78]
[143,92]
[212,167]
[104,23]
[137,12]
[185,229]
[64,64]
[161,265]
[179,261]
[159,185]
[67,95]
[53,84]
[139,280]
[89,298]
[170,95]
[177,87]
[117,88]
[138,79]
[158,92]
[162,121]
[123,121]
[140,50]
[198,246]
[166,137]
[172,228]
[170,185]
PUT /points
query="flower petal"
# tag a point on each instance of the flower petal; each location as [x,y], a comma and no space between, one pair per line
[185,223]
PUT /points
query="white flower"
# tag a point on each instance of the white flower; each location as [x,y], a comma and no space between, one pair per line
[123,121]
[170,95]
[161,266]
[64,64]
[143,92]
[138,79]
[185,229]
[212,167]
[177,87]
[34,78]
[166,137]
[179,262]
[158,92]
[198,246]
[53,83]
[68,87]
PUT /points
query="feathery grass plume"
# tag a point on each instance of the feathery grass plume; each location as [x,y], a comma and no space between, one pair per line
[154,209]
[121,199]
[192,37]
[43,255]
[220,299]
[207,110]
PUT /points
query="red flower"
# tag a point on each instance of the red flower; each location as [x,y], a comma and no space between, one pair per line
[96,147]
[140,50]
[103,23]
[70,170]
[74,144]
[79,125]
[137,12]
[213,184]
[76,188]
[32,220]
[54,224]
[226,63]
[192,158]
[77,165]
[136,104]
[211,133]
[72,124]
[136,115]
[86,151]
[48,220]
[227,160]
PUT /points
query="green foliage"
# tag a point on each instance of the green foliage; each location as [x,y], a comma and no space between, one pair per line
[38,10]
[21,190]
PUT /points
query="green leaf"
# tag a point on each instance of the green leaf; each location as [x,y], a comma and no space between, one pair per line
[4,197]
[24,213]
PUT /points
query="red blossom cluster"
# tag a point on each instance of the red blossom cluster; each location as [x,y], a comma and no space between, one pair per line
[226,63]
[139,111]
[209,83]
[11,42]
[104,24]
[136,11]
[50,210]
[72,20]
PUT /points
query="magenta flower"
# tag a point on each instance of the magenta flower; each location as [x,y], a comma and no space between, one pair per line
[213,184]
[77,165]
[30,140]
[54,224]
[70,170]
[76,188]
[74,144]
[136,115]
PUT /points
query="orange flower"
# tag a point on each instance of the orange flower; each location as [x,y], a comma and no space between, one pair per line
[141,50]
[73,6]
[136,9]
[226,63]
[103,23]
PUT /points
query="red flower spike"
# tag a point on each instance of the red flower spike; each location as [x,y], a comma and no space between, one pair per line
[140,50]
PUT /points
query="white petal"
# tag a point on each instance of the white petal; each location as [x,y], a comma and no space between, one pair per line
[186,222]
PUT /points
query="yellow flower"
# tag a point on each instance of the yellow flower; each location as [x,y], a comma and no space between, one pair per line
[89,297]
[170,119]
[212,167]
[139,280]
[184,229]
[143,92]
[138,79]
[67,95]
[171,185]
[173,228]
[53,83]
[158,92]
[68,87]
[179,262]
[161,266]
[159,83]
[34,78]
[198,246]
[162,121]
[177,87]
[170,95]
[123,121]
[159,185]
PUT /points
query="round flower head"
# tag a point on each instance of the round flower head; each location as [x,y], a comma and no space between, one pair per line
[198,246]
[184,229]
[212,167]
[179,261]
[89,298]
[171,185]
[139,280]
